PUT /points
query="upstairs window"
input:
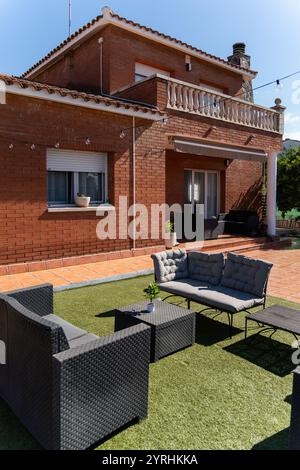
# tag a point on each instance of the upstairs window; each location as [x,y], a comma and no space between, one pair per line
[143,71]
[71,172]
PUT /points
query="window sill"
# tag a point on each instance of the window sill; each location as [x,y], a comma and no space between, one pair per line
[100,208]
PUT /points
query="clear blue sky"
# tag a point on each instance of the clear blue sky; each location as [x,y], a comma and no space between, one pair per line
[271,29]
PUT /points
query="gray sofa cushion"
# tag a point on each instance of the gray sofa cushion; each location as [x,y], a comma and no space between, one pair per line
[184,287]
[222,298]
[72,332]
[227,299]
[170,265]
[205,267]
[18,320]
[246,274]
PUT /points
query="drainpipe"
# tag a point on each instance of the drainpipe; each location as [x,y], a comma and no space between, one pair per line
[133,180]
[100,41]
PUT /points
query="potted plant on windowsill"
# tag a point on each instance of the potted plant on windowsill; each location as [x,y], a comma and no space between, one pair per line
[171,237]
[151,292]
[82,200]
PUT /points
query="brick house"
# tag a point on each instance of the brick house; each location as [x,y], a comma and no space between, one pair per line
[119,109]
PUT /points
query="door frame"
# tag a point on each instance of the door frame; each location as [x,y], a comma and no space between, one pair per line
[206,172]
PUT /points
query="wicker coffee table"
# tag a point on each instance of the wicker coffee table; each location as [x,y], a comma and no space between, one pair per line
[172,327]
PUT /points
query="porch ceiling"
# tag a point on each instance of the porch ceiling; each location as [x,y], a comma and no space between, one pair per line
[217,150]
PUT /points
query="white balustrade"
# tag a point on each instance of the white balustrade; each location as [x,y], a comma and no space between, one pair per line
[201,101]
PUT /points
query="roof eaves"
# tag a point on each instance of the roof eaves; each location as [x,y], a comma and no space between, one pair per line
[181,43]
[108,17]
[10,80]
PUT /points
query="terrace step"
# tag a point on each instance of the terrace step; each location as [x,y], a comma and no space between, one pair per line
[235,244]
[238,245]
[222,243]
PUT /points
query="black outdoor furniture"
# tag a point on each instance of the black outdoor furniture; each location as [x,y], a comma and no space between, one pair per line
[69,388]
[214,227]
[172,327]
[232,223]
[238,222]
[237,285]
[276,318]
[280,318]
[294,440]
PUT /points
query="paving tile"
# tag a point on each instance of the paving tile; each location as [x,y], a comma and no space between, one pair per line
[284,279]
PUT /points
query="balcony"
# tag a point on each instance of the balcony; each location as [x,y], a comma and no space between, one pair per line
[193,99]
[171,94]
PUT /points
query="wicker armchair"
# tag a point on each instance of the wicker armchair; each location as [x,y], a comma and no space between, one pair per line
[69,392]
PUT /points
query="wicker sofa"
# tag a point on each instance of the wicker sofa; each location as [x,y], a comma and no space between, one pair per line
[235,285]
[69,388]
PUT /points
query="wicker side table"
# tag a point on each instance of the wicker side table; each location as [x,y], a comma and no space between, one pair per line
[172,327]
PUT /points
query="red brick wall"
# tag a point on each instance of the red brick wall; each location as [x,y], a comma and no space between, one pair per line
[29,232]
[151,92]
[176,163]
[121,50]
[240,182]
[79,69]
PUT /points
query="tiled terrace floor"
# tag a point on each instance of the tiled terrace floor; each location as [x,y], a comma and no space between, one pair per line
[284,281]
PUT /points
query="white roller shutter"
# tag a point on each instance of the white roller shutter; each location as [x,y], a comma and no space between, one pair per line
[147,71]
[75,161]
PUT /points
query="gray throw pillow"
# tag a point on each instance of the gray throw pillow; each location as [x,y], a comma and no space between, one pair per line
[246,274]
[170,265]
[205,267]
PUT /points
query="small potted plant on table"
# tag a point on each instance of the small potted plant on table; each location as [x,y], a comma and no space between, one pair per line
[171,237]
[151,292]
[82,200]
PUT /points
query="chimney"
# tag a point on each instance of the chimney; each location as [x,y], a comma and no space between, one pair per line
[239,48]
[240,58]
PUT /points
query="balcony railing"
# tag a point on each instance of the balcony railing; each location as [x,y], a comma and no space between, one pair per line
[203,102]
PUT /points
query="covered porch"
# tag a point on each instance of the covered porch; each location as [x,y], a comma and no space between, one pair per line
[229,180]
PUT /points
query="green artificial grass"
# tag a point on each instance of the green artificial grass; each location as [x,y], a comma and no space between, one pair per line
[218,394]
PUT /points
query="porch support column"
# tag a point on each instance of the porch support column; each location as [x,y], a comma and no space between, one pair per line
[272,193]
[272,174]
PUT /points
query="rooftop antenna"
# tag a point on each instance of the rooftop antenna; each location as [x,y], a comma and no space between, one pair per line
[70,16]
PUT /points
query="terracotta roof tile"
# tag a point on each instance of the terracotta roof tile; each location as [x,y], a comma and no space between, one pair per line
[136,25]
[74,94]
[181,43]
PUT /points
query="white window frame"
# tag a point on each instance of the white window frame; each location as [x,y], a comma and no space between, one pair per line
[206,172]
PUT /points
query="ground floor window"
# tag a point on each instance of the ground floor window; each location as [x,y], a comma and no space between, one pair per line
[64,185]
[203,187]
[72,172]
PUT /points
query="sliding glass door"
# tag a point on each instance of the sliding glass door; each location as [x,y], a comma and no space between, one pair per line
[202,187]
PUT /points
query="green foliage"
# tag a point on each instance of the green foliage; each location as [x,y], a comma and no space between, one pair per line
[169,227]
[152,291]
[289,181]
